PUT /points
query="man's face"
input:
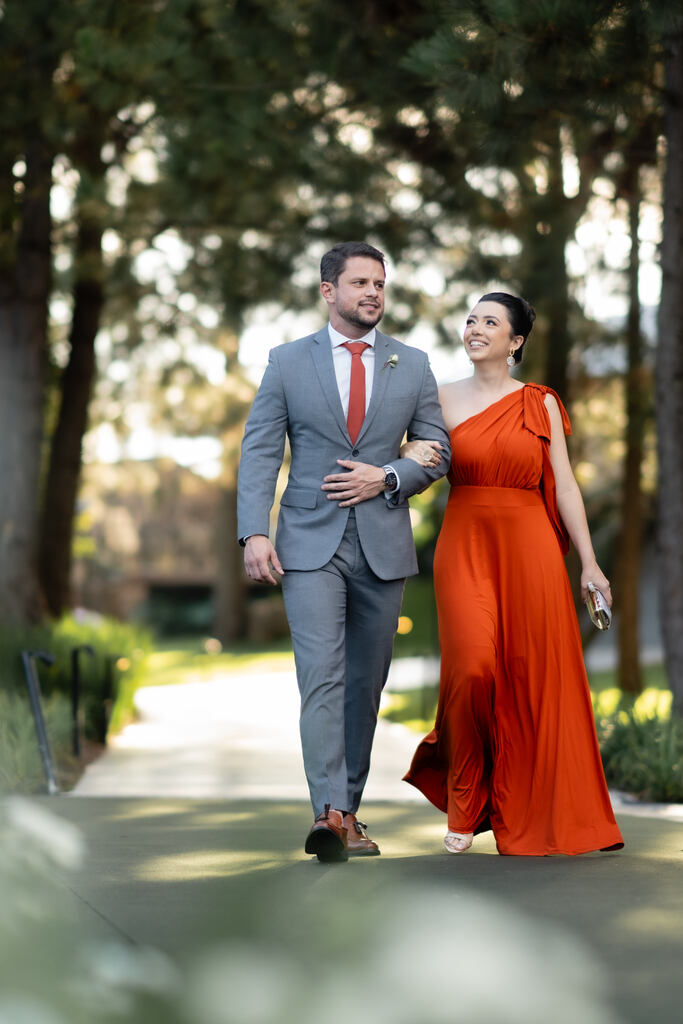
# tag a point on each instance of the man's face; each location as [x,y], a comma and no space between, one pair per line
[356,302]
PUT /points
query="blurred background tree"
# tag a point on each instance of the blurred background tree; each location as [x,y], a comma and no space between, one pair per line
[669,392]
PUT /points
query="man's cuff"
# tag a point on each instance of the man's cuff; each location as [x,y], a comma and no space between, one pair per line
[392,469]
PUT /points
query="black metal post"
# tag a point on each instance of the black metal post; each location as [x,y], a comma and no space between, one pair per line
[33,684]
[108,692]
[76,694]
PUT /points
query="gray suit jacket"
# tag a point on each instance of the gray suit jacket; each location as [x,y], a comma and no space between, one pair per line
[299,398]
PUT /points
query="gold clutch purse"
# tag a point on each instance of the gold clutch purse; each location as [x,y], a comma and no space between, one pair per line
[598,609]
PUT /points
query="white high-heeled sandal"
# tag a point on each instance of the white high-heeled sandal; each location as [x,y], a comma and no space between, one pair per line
[458,842]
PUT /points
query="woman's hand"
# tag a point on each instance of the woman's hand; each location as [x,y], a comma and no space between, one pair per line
[425,453]
[593,574]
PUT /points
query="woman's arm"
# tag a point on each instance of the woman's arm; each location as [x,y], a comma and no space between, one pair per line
[571,507]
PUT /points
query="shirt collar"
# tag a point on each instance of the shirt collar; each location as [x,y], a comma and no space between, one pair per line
[339,339]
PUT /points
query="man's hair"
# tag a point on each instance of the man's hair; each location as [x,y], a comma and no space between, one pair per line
[333,262]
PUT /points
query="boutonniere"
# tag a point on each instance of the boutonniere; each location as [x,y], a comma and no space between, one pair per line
[392,361]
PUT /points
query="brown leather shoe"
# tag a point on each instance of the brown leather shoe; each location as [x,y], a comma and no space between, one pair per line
[327,838]
[358,842]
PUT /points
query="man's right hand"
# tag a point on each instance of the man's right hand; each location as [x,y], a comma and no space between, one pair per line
[259,557]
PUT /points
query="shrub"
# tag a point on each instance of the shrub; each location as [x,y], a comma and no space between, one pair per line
[120,654]
[643,754]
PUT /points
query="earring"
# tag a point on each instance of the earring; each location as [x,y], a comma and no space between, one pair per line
[511,357]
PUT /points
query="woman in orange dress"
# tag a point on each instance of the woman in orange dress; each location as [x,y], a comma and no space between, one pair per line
[514,747]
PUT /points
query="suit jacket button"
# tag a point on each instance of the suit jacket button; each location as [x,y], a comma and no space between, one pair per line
[355,451]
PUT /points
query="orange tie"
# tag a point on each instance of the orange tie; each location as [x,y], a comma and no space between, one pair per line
[356,413]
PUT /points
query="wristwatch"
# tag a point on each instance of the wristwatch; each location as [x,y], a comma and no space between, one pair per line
[390,480]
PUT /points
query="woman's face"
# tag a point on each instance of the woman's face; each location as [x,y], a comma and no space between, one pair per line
[488,333]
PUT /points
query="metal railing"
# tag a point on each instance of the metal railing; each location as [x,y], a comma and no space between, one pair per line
[29,659]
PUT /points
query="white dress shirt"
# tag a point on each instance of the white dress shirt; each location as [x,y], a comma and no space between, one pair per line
[342,364]
[341,358]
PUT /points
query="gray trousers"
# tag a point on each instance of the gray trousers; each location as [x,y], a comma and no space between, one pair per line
[343,619]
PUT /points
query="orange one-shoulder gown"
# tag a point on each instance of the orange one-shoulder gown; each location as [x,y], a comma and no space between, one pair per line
[514,747]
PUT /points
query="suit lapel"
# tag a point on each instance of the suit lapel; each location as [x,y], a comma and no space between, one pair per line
[380,380]
[322,358]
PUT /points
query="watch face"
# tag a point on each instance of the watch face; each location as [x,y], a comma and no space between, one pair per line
[390,480]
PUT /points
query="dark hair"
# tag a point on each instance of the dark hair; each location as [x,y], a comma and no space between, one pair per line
[520,315]
[333,262]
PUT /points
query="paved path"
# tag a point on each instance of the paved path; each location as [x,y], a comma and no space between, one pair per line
[194,821]
[235,737]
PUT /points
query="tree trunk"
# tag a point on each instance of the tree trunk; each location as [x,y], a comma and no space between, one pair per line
[550,221]
[629,550]
[557,291]
[61,489]
[64,470]
[230,618]
[24,295]
[669,377]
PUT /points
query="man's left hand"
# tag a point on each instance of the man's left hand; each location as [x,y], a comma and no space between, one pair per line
[359,483]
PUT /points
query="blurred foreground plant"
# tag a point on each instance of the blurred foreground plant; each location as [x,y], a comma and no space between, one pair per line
[281,953]
[53,969]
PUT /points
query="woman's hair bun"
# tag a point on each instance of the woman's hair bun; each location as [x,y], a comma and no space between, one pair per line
[530,313]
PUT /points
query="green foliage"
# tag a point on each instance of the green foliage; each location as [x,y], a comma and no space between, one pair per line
[416,709]
[21,767]
[642,746]
[420,608]
[120,651]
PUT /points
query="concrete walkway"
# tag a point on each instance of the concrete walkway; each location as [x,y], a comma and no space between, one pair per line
[234,737]
[194,821]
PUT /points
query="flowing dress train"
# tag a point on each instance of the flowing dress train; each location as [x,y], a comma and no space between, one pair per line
[514,747]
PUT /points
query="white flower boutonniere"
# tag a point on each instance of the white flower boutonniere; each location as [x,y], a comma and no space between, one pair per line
[392,361]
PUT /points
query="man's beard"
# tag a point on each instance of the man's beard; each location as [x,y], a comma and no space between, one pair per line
[353,316]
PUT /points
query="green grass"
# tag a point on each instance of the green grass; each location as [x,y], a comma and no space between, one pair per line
[182,664]
[21,766]
[654,677]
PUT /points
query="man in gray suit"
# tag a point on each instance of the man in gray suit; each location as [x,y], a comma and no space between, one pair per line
[345,396]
